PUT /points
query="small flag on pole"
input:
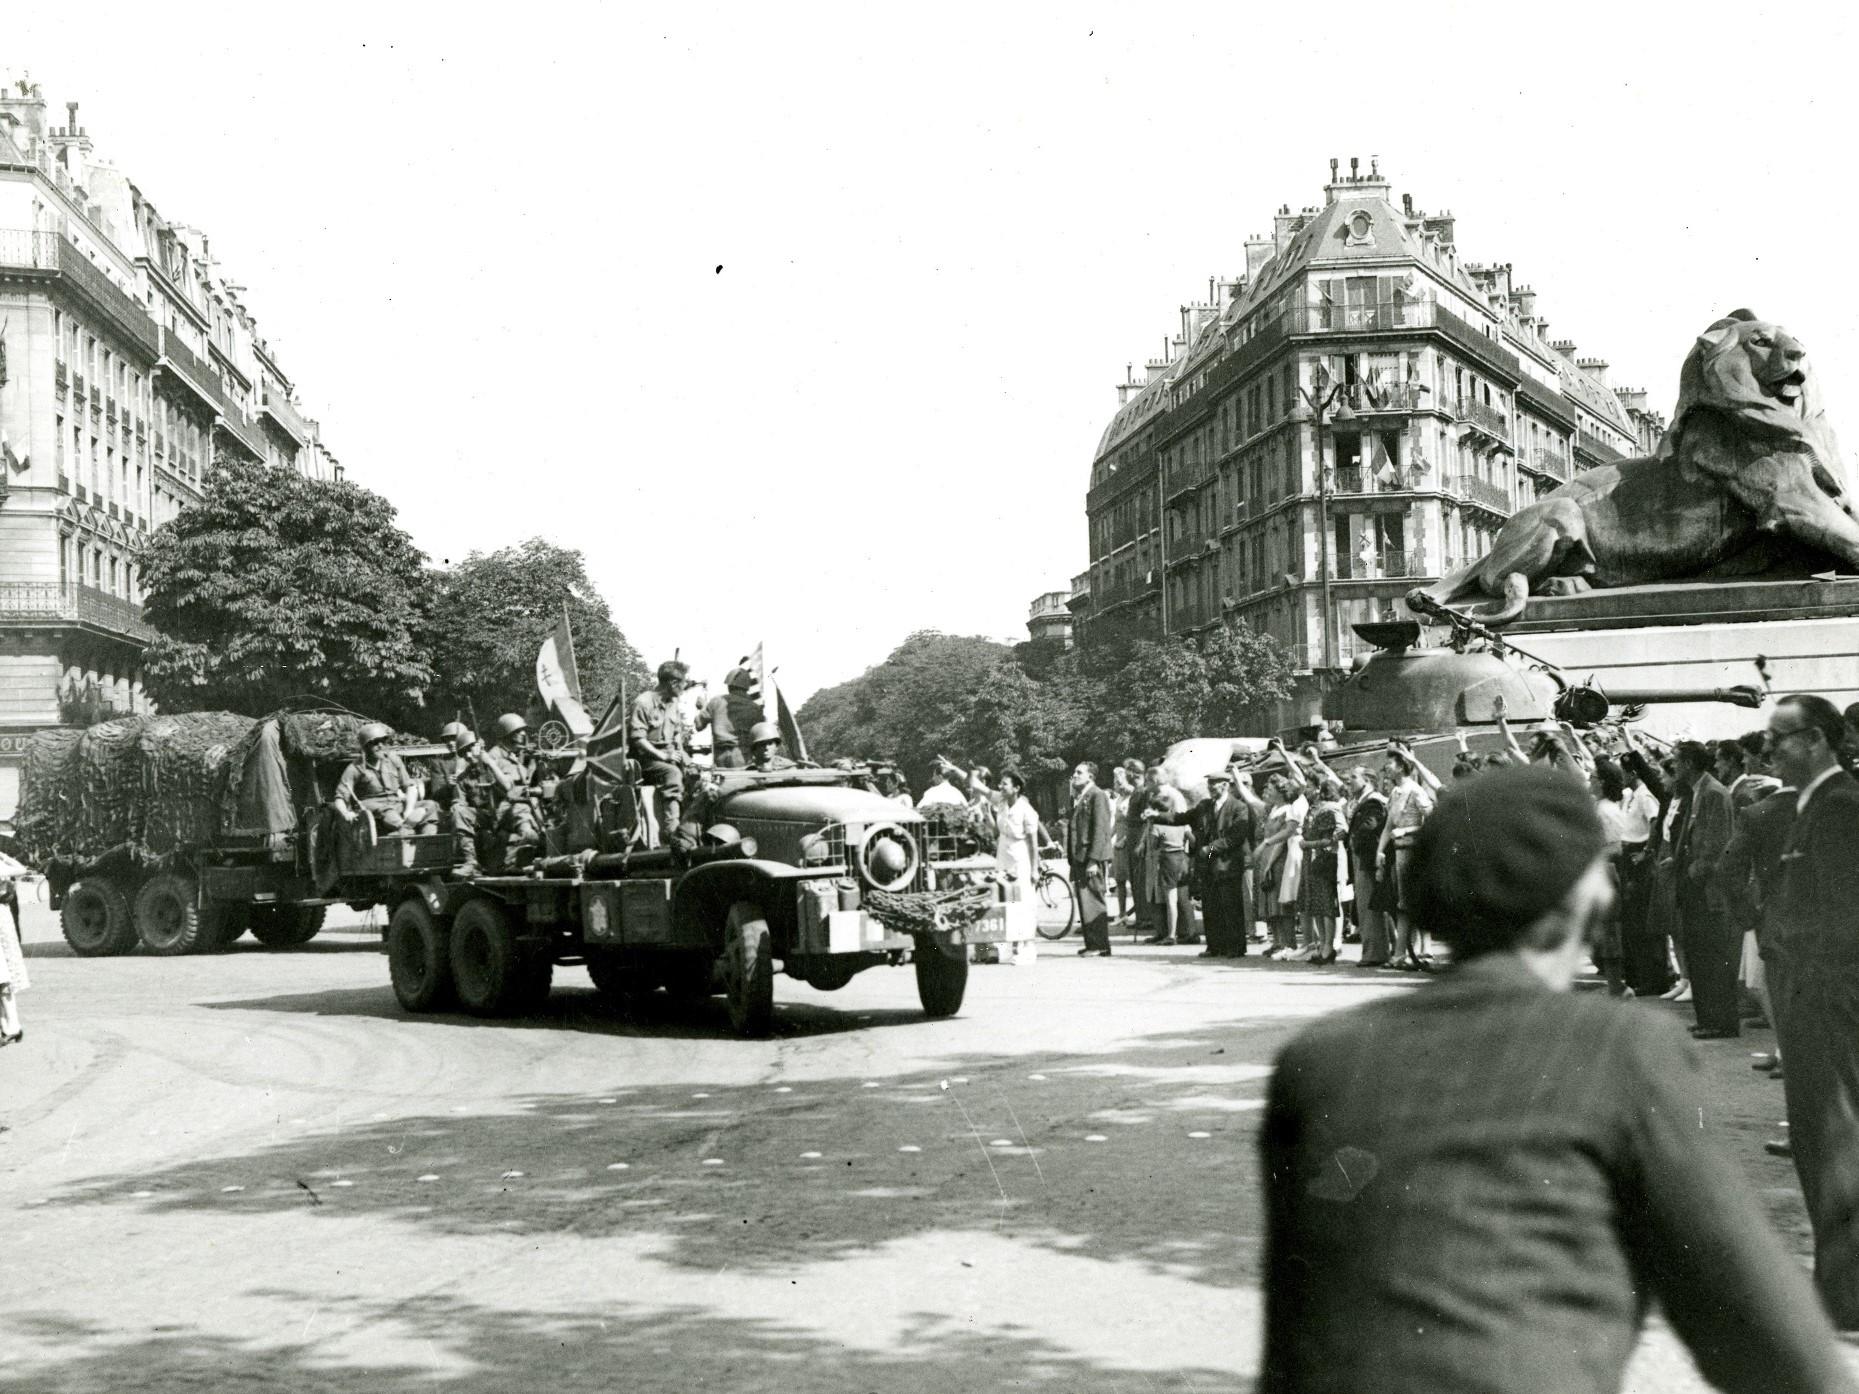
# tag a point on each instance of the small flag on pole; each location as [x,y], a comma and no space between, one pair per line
[558,683]
[767,694]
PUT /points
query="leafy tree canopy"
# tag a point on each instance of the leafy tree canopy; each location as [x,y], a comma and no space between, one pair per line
[490,615]
[1040,707]
[275,587]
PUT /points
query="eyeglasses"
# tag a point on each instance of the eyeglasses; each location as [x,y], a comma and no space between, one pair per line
[1777,737]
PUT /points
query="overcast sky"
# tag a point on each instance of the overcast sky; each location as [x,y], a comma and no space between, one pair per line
[803,323]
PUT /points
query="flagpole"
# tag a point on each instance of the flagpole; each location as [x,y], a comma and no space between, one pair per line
[574,668]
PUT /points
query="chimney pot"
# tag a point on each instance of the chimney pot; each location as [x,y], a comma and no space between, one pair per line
[1333,164]
[1352,169]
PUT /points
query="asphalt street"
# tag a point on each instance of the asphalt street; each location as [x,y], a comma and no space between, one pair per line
[251,1171]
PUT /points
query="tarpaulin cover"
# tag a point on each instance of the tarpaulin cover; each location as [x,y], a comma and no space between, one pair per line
[259,803]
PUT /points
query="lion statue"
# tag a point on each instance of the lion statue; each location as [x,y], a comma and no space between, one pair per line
[1747,481]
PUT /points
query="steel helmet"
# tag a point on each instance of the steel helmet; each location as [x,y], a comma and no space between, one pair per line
[764,733]
[509,724]
[371,732]
[450,730]
[463,738]
[739,680]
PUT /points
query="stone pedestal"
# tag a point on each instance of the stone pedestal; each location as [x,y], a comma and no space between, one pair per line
[1703,635]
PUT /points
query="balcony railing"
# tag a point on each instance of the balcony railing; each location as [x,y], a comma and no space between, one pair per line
[1598,448]
[1481,492]
[1358,479]
[77,383]
[42,602]
[1484,417]
[1547,460]
[1376,399]
[1389,564]
[278,407]
[61,375]
[1362,319]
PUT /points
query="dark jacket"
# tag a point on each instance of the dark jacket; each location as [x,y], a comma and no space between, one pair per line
[1497,1213]
[1752,863]
[1702,834]
[1088,836]
[1204,821]
[1815,909]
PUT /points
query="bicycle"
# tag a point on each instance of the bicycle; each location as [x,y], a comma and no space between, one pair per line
[1052,889]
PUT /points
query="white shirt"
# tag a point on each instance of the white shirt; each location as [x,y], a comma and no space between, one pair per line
[942,794]
[1800,802]
[1019,835]
[1637,810]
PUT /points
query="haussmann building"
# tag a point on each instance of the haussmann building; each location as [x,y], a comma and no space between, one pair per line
[1221,492]
[128,364]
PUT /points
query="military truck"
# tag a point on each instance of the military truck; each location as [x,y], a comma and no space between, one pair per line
[180,833]
[805,869]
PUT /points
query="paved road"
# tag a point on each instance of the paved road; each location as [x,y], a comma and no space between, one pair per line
[251,1172]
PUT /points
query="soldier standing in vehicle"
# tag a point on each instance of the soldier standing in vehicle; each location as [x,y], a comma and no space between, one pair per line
[729,718]
[517,824]
[655,738]
[379,783]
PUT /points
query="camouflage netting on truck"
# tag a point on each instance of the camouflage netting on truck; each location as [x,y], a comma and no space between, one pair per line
[151,784]
[288,763]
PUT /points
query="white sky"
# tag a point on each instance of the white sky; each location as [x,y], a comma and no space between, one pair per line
[487,250]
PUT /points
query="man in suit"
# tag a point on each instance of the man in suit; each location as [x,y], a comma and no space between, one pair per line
[1226,852]
[1088,839]
[1811,927]
[1498,1212]
[1713,941]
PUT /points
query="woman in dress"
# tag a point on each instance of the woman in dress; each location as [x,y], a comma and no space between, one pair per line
[13,976]
[1409,802]
[1016,847]
[1317,905]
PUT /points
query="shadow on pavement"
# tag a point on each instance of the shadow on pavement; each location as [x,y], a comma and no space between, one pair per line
[470,1349]
[582,1009]
[1144,1153]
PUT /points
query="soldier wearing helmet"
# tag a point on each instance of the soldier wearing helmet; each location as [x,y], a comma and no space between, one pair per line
[379,783]
[729,718]
[765,748]
[516,823]
[473,797]
[655,738]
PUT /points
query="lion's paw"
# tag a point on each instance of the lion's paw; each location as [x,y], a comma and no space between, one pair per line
[1566,585]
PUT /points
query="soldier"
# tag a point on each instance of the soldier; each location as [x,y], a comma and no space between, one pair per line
[765,748]
[729,718]
[473,801]
[379,783]
[517,825]
[655,738]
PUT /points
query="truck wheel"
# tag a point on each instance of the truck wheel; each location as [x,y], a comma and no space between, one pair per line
[286,926]
[487,969]
[222,923]
[96,919]
[942,981]
[419,958]
[167,915]
[748,970]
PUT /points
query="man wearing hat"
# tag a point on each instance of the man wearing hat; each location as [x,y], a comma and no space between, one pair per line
[729,718]
[765,748]
[1497,1209]
[379,783]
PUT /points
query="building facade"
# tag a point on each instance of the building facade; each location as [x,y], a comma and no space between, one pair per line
[127,364]
[1359,412]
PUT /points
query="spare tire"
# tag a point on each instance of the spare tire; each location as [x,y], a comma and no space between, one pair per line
[96,919]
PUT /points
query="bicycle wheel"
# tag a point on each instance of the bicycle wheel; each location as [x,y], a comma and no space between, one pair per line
[1054,894]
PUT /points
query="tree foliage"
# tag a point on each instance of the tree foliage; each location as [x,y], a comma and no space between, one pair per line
[492,612]
[274,587]
[1040,707]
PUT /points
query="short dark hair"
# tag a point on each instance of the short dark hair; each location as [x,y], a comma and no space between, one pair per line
[1611,778]
[1132,766]
[1754,743]
[1019,780]
[1731,753]
[1694,754]
[1088,766]
[671,670]
[1821,715]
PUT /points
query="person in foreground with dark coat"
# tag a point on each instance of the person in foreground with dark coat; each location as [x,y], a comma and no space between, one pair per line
[1088,838]
[1812,919]
[1497,1213]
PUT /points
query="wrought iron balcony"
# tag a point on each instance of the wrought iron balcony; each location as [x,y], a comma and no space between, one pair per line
[77,384]
[1383,399]
[1481,492]
[1547,460]
[279,409]
[68,602]
[1484,418]
[1593,445]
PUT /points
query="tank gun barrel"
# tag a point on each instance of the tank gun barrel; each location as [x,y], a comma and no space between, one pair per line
[1741,695]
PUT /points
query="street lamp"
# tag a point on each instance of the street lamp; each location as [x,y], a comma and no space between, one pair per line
[1321,392]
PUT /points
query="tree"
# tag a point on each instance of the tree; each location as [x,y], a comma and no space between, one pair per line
[490,615]
[275,586]
[1143,698]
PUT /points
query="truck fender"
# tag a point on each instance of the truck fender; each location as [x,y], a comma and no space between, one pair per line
[700,902]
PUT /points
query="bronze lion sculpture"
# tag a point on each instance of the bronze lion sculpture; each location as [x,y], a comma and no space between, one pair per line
[1747,481]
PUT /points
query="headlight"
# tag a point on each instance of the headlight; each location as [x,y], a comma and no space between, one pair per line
[888,858]
[815,850]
